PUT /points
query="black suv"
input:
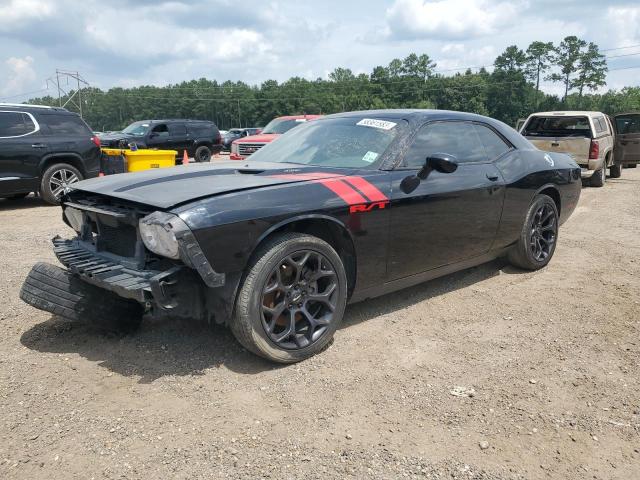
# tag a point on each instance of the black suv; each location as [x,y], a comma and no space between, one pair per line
[200,138]
[44,150]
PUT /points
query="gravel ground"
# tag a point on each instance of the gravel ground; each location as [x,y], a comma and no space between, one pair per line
[544,365]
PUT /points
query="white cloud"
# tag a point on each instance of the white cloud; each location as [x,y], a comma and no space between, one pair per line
[625,22]
[21,74]
[448,19]
[17,12]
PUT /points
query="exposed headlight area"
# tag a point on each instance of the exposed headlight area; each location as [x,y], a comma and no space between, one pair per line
[159,232]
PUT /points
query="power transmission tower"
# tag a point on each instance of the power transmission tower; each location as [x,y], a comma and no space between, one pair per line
[62,80]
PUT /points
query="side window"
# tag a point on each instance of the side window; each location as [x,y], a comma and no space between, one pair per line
[600,124]
[493,143]
[458,139]
[15,124]
[161,130]
[65,125]
[177,129]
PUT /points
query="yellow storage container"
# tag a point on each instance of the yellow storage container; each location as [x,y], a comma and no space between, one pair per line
[145,159]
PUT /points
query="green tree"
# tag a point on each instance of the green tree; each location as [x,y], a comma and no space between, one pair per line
[511,60]
[592,70]
[539,58]
[566,57]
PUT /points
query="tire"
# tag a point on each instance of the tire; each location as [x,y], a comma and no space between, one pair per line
[56,175]
[599,177]
[615,171]
[202,154]
[55,290]
[249,321]
[522,254]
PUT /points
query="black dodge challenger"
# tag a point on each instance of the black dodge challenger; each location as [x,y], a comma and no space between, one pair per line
[342,209]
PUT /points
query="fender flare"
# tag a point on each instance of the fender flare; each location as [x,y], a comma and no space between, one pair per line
[79,162]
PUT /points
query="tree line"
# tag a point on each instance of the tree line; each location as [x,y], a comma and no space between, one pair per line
[510,91]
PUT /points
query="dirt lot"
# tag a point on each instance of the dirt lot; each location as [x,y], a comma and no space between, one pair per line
[553,358]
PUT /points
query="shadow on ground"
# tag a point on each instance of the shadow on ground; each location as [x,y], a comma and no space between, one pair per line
[176,347]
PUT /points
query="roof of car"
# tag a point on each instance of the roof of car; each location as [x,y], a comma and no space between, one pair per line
[568,113]
[164,120]
[407,113]
[27,106]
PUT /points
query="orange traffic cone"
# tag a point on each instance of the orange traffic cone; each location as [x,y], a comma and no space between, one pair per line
[185,158]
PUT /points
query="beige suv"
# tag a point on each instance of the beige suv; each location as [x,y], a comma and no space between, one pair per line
[587,136]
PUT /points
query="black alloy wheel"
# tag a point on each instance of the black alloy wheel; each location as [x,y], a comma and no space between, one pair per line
[544,228]
[299,299]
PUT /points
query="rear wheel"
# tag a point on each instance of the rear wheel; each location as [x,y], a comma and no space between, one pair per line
[202,154]
[615,171]
[292,299]
[599,177]
[56,181]
[539,235]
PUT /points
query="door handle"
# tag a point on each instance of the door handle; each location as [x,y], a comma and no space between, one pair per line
[492,177]
[38,145]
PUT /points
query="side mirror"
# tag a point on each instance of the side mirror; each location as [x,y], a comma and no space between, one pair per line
[440,162]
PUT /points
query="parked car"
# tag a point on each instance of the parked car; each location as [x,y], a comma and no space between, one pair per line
[200,138]
[244,147]
[44,150]
[627,146]
[236,133]
[587,136]
[339,210]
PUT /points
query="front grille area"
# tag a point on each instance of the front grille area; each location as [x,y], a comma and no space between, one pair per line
[120,240]
[246,149]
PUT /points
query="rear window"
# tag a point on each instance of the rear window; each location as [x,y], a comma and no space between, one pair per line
[66,125]
[557,127]
[15,124]
[628,124]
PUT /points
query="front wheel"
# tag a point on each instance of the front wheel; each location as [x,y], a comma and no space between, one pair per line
[292,299]
[56,181]
[615,171]
[539,235]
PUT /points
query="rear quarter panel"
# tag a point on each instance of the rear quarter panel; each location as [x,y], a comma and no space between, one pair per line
[526,174]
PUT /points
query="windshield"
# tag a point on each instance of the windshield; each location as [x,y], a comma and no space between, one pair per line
[235,131]
[353,142]
[278,126]
[137,129]
[558,127]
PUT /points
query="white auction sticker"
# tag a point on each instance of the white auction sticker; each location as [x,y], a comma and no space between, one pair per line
[370,157]
[381,124]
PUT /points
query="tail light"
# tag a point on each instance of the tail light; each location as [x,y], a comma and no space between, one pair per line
[594,150]
[96,140]
[219,138]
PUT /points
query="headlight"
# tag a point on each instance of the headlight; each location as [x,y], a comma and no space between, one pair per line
[158,231]
[234,147]
[75,218]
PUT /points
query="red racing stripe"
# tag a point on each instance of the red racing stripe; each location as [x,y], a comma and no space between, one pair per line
[371,191]
[344,191]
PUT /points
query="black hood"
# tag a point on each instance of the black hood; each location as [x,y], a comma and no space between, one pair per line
[168,187]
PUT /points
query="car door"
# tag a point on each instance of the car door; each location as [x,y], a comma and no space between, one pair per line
[21,148]
[178,137]
[627,145]
[158,136]
[447,217]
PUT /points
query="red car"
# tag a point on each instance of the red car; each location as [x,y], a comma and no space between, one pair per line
[243,147]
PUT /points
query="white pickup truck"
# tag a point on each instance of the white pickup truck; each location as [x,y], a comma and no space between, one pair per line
[587,136]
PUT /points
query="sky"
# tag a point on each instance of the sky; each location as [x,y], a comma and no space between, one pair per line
[154,42]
